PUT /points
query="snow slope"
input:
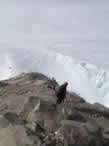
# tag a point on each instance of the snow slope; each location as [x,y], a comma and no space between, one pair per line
[85,79]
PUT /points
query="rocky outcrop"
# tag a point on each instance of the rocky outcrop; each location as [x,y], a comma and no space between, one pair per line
[29,115]
[80,134]
[93,109]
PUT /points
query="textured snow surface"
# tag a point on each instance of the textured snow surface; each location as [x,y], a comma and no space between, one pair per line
[85,79]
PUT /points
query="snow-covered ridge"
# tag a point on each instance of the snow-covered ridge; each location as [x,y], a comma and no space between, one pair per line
[85,79]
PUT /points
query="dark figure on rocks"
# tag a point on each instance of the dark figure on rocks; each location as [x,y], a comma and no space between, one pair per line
[61,93]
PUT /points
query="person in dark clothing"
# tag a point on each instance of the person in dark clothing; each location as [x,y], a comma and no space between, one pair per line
[61,93]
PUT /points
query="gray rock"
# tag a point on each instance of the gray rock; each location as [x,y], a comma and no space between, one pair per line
[14,119]
[80,134]
[3,122]
[33,119]
[93,109]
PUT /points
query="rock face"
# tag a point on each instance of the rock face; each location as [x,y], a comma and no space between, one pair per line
[80,134]
[29,115]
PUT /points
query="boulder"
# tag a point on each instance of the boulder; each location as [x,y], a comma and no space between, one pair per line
[80,134]
[106,137]
[7,133]
[38,110]
[93,109]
